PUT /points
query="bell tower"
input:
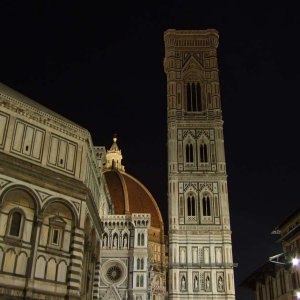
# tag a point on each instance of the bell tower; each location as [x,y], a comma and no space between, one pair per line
[200,251]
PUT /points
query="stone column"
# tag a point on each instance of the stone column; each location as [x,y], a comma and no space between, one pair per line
[76,264]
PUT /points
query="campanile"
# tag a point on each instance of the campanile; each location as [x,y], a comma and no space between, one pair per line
[200,251]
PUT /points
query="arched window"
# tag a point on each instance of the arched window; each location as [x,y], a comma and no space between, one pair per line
[138,280]
[142,239]
[191,205]
[203,153]
[189,154]
[138,264]
[15,224]
[139,239]
[193,94]
[141,280]
[142,264]
[206,206]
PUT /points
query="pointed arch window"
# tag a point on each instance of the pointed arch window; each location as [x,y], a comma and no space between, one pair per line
[191,209]
[139,239]
[141,280]
[203,153]
[142,239]
[138,264]
[193,94]
[206,205]
[189,153]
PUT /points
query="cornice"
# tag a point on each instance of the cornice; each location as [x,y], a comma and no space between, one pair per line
[26,107]
[189,39]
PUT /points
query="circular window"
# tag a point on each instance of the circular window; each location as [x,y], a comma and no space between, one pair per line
[114,273]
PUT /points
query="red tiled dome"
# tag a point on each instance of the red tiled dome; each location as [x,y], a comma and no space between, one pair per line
[130,196]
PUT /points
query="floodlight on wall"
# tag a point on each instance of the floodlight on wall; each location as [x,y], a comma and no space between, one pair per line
[285,259]
[295,262]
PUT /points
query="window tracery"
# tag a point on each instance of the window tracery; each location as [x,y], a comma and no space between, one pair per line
[193,97]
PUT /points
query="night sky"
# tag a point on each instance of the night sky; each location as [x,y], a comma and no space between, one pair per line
[101,66]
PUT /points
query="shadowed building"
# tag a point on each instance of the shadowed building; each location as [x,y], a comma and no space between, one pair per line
[279,278]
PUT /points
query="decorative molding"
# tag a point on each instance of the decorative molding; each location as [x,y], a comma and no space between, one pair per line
[3,183]
[43,196]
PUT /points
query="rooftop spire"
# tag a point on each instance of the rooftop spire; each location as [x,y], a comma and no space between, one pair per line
[114,156]
[114,146]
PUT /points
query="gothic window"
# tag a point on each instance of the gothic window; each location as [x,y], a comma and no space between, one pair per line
[141,239]
[15,224]
[203,153]
[189,155]
[139,280]
[191,209]
[193,94]
[138,264]
[206,205]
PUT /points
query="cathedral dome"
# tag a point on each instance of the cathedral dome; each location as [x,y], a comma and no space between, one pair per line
[129,195]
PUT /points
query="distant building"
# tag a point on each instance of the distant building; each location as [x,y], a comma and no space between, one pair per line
[75,225]
[279,278]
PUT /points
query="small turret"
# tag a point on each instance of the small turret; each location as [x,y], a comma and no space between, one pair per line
[114,157]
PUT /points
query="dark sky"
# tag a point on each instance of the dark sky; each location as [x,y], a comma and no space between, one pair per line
[101,66]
